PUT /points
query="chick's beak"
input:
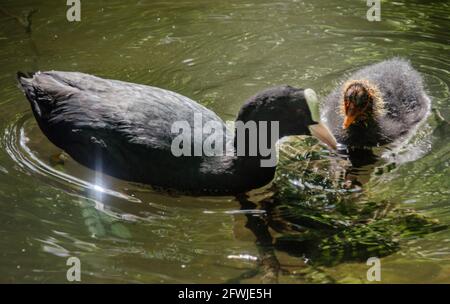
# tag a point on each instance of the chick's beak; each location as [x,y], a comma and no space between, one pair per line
[321,132]
[351,114]
[348,120]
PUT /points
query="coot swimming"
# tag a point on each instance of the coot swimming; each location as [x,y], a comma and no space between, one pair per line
[125,130]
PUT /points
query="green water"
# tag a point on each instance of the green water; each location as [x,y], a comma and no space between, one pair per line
[220,53]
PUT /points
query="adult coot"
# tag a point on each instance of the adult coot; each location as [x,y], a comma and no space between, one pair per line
[126,130]
[379,104]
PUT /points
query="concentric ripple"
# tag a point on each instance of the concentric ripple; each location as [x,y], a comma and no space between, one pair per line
[15,141]
[219,53]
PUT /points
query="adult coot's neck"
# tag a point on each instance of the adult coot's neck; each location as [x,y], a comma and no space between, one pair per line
[262,120]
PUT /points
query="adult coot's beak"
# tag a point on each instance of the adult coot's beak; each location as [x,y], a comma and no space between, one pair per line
[318,130]
[321,132]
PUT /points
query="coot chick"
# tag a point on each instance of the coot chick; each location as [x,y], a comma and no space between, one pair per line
[380,104]
[126,130]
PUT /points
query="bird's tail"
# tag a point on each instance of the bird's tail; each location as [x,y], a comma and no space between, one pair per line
[25,81]
[25,74]
[44,91]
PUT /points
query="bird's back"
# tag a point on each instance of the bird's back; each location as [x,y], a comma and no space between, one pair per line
[401,87]
[120,128]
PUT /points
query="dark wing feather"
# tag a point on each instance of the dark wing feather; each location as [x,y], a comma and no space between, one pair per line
[97,119]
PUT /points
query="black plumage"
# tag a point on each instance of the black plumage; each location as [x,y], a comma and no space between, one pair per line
[124,130]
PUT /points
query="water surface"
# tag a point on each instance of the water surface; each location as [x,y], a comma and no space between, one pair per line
[218,53]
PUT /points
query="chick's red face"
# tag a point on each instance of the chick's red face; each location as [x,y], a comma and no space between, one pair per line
[356,103]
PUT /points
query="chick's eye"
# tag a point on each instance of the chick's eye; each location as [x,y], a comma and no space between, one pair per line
[348,97]
[362,98]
